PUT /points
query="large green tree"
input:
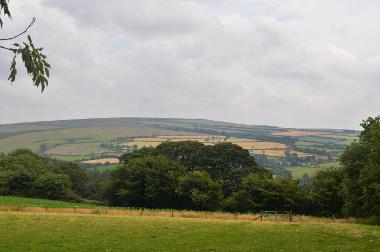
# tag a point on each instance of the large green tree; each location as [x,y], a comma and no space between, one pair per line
[226,163]
[52,186]
[197,191]
[325,187]
[361,166]
[149,181]
[26,174]
[76,174]
[260,191]
[34,60]
[18,172]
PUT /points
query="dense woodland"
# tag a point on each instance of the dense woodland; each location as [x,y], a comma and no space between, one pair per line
[191,175]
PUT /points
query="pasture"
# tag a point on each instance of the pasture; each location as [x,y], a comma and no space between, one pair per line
[28,231]
[102,168]
[299,171]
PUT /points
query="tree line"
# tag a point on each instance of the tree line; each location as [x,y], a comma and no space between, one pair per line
[191,175]
[24,173]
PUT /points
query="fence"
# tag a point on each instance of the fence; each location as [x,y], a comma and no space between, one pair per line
[276,215]
[137,212]
[286,216]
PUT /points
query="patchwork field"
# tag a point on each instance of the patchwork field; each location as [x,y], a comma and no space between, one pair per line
[94,139]
[77,143]
[254,146]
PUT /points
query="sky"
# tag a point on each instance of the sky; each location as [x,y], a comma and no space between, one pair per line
[289,63]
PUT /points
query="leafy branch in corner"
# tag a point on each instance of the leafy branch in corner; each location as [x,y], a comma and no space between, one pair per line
[34,60]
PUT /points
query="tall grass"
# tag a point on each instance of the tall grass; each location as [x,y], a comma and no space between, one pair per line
[11,203]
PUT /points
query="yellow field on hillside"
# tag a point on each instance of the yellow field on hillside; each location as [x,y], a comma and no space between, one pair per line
[254,146]
[102,161]
[298,133]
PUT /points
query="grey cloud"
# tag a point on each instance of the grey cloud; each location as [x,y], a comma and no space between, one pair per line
[240,61]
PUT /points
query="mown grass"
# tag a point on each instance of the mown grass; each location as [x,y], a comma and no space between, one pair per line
[21,231]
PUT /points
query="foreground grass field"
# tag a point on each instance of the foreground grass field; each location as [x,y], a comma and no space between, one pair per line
[62,231]
[20,231]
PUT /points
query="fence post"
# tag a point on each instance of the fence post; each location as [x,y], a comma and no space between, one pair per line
[46,209]
[141,212]
[261,215]
[172,213]
[290,215]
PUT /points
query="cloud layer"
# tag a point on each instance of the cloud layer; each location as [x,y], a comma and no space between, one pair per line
[287,63]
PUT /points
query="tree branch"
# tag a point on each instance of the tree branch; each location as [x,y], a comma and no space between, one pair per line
[7,48]
[18,35]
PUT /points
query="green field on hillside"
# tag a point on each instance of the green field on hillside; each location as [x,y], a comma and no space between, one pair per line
[86,138]
[21,231]
[299,171]
[102,168]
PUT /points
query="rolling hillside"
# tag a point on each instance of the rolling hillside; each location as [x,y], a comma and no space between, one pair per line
[84,139]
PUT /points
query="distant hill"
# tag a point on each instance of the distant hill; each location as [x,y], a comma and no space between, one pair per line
[83,139]
[172,123]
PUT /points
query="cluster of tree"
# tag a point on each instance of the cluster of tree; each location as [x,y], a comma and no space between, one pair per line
[353,189]
[361,172]
[24,173]
[191,175]
[97,181]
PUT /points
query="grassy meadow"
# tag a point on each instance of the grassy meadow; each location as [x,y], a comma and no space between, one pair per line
[56,230]
[27,231]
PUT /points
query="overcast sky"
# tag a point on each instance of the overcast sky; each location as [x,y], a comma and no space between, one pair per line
[293,63]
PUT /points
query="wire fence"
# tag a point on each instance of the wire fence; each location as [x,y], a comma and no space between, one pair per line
[283,216]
